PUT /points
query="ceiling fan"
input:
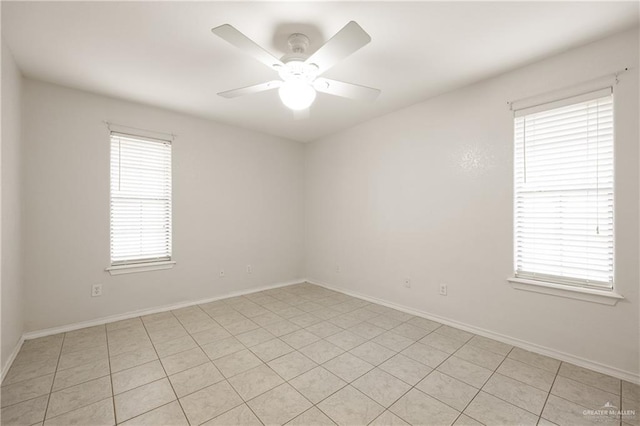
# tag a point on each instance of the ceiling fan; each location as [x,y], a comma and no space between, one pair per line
[300,73]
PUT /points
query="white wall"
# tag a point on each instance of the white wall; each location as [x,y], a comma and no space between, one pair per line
[237,200]
[11,292]
[426,193]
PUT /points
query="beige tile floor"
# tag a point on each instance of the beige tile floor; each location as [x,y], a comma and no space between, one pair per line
[300,355]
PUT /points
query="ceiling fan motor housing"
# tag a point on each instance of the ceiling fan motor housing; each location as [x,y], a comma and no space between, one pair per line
[295,68]
[298,43]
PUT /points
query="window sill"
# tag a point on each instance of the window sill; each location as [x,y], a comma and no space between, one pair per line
[140,267]
[603,297]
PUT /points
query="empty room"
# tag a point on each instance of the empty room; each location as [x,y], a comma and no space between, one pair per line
[320,213]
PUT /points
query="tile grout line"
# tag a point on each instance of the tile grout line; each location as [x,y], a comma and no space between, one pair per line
[245,402]
[519,381]
[550,389]
[55,374]
[165,373]
[527,384]
[371,340]
[113,396]
[139,386]
[479,389]
[482,387]
[92,379]
[226,379]
[474,396]
[64,336]
[581,383]
[287,381]
[432,369]
[430,372]
[414,386]
[505,357]
[85,381]
[620,406]
[321,366]
[267,365]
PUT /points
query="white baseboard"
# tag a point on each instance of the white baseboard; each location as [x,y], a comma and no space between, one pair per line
[113,318]
[532,347]
[133,314]
[12,357]
[542,350]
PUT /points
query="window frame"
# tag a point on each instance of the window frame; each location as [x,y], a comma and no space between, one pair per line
[150,264]
[546,283]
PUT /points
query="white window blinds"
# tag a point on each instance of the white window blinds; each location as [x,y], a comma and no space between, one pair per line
[564,191]
[140,199]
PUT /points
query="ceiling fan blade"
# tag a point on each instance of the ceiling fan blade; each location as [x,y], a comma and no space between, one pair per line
[251,89]
[346,90]
[301,114]
[346,41]
[244,43]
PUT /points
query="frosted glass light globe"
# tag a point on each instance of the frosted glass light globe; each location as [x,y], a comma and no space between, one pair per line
[297,95]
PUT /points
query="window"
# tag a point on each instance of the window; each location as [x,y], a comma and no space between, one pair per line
[564,192]
[140,200]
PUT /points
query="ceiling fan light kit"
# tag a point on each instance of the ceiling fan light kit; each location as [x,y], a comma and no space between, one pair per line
[296,91]
[297,95]
[300,73]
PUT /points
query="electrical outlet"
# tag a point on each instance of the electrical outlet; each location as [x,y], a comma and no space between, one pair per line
[96,290]
[443,289]
[338,269]
[407,282]
[249,269]
[222,273]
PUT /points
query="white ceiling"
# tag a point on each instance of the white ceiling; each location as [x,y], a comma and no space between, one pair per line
[163,53]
